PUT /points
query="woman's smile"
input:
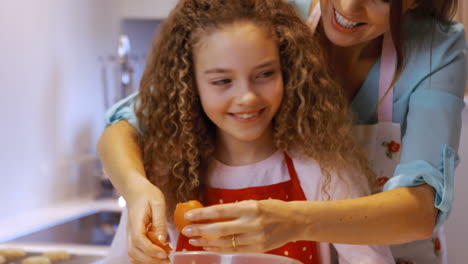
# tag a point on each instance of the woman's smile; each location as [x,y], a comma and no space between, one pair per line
[351,22]
[344,24]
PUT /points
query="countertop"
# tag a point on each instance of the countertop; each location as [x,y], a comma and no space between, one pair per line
[25,223]
[73,249]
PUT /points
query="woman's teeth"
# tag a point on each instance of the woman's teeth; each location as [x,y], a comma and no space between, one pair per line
[345,22]
[247,116]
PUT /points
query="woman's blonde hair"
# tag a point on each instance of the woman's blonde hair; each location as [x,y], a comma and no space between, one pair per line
[177,142]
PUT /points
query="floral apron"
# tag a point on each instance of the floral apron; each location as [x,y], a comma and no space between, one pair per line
[304,251]
[382,144]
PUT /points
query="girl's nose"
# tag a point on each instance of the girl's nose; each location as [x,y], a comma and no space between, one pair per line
[246,95]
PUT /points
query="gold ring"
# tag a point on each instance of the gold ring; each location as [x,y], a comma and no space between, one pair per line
[233,241]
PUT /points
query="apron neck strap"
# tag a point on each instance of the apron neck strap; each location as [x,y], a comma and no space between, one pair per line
[388,62]
[314,17]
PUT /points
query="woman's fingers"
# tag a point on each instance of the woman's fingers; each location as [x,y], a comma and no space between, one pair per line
[243,243]
[158,224]
[222,228]
[224,219]
[257,226]
[149,248]
[138,224]
[138,255]
[137,239]
[240,249]
[232,241]
[222,211]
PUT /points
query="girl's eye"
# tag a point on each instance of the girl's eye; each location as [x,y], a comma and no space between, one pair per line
[221,82]
[265,74]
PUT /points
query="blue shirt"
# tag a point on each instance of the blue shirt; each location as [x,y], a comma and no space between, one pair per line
[427,102]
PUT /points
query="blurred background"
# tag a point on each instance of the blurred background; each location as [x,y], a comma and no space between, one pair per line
[62,63]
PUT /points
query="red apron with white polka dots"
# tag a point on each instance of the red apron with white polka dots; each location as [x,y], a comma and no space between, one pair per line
[304,251]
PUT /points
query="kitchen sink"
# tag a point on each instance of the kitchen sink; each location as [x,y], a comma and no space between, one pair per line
[95,229]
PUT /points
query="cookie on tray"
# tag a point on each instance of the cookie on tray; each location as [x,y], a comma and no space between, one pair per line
[57,255]
[12,252]
[36,260]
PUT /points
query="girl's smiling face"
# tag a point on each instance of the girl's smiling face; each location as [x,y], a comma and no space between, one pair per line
[350,22]
[239,80]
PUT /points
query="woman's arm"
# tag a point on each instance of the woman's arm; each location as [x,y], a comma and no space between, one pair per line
[392,217]
[121,156]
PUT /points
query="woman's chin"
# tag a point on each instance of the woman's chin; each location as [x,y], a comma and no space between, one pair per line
[339,40]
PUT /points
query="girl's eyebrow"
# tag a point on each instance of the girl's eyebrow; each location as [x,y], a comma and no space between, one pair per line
[216,70]
[265,64]
[221,70]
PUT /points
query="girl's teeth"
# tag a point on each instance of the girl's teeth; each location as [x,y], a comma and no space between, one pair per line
[247,116]
[344,22]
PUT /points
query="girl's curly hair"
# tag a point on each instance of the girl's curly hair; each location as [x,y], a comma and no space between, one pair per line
[177,142]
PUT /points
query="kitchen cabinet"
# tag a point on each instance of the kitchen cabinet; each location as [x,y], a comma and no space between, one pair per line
[146,9]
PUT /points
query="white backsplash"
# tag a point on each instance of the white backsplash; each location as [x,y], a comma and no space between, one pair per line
[51,98]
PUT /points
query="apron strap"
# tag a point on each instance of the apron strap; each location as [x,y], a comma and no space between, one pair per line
[291,169]
[314,17]
[387,72]
[294,178]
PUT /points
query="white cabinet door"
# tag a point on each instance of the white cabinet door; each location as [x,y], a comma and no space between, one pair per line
[146,9]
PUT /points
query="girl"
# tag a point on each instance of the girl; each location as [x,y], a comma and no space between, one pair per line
[236,105]
[426,100]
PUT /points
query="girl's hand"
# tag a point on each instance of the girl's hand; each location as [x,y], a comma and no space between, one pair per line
[146,213]
[257,226]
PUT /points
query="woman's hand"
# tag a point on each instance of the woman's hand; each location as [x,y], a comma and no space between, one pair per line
[257,226]
[146,213]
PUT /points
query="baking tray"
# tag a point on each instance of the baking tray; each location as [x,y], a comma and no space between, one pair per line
[74,259]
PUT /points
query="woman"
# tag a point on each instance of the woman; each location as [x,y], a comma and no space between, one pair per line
[371,46]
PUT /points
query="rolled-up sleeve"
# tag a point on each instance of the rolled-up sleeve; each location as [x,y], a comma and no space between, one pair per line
[433,125]
[123,110]
[302,7]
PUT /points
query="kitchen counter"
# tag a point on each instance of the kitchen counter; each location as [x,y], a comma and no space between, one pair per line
[15,226]
[79,254]
[74,249]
